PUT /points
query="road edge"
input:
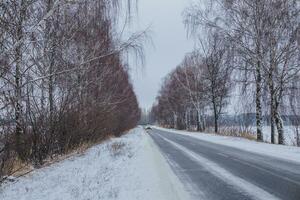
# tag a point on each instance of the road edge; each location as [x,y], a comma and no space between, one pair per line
[165,171]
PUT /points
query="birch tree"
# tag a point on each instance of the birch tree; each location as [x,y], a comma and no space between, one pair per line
[64,77]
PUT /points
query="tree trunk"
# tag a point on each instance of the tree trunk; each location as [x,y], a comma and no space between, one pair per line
[216,119]
[298,136]
[272,114]
[203,122]
[175,121]
[258,103]
[198,121]
[187,119]
[50,48]
[279,123]
[18,85]
[216,125]
[272,123]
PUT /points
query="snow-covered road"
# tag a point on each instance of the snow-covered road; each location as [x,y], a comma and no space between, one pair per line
[225,168]
[127,168]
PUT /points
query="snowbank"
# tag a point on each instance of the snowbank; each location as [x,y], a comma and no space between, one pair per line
[284,152]
[127,168]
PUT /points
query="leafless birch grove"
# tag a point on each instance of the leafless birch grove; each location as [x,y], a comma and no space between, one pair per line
[246,48]
[64,81]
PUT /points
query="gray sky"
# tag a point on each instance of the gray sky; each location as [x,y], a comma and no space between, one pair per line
[170,44]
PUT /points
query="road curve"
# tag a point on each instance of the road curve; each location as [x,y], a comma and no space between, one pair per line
[216,172]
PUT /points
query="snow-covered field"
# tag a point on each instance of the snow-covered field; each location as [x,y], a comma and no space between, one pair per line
[284,152]
[127,168]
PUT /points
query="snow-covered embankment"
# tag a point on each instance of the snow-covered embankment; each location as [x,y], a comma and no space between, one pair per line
[127,168]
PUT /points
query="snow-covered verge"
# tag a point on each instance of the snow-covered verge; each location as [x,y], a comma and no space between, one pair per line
[284,152]
[126,168]
[290,134]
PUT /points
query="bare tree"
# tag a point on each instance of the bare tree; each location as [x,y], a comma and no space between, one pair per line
[264,34]
[217,73]
[280,43]
[201,83]
[64,78]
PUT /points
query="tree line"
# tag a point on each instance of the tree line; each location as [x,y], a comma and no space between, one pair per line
[63,77]
[245,48]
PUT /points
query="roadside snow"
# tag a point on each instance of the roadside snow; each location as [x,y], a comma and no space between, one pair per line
[290,134]
[283,152]
[127,168]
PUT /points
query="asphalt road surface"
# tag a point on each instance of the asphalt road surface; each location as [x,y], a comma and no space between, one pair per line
[216,172]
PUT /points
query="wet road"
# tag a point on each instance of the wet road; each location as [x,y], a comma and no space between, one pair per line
[216,172]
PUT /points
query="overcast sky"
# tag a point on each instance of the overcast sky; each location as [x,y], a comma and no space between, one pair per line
[170,44]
